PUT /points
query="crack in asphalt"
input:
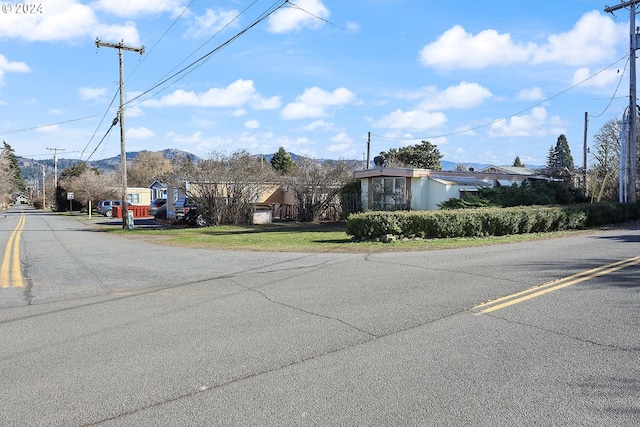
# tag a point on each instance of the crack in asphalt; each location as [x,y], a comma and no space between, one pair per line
[561,334]
[138,293]
[302,310]
[472,274]
[206,389]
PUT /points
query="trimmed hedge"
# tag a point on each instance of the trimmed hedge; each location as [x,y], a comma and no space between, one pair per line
[483,222]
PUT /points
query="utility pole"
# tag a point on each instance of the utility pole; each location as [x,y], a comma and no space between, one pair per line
[631,158]
[123,152]
[584,153]
[44,196]
[55,166]
[368,149]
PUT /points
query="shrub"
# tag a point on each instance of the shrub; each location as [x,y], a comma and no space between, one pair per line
[487,221]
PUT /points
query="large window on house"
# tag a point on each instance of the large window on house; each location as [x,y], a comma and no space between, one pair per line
[389,193]
[133,198]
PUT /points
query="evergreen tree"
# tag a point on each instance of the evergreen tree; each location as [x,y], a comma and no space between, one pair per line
[518,163]
[424,156]
[559,157]
[282,162]
[17,181]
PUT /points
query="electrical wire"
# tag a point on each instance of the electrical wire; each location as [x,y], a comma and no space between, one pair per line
[207,56]
[614,92]
[209,39]
[295,6]
[509,116]
[140,62]
[113,123]
[149,51]
[9,132]
[99,124]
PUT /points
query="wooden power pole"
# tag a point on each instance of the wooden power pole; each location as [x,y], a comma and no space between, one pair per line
[628,193]
[123,151]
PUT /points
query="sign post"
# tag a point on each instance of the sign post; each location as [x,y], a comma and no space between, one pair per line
[70,198]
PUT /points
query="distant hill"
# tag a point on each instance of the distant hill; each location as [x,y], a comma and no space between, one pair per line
[32,169]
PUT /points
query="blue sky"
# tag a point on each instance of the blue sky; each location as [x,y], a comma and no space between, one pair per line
[485,81]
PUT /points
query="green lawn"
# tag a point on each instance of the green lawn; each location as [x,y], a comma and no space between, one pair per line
[293,237]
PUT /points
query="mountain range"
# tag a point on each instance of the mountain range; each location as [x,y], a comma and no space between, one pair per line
[32,169]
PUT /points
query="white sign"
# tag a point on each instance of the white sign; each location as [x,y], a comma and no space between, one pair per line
[69,195]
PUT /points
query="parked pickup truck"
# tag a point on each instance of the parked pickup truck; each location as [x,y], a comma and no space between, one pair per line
[185,210]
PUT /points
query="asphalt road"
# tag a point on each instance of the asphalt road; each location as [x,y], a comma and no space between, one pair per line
[108,330]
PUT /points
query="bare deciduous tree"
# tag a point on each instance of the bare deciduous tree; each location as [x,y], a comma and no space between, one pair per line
[606,154]
[92,186]
[226,188]
[147,166]
[317,185]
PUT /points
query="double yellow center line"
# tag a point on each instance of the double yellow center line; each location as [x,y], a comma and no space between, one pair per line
[554,285]
[10,274]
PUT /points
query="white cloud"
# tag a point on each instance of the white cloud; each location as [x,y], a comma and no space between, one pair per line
[464,95]
[272,103]
[210,23]
[456,48]
[198,143]
[318,124]
[536,124]
[252,124]
[593,38]
[341,143]
[531,94]
[64,20]
[236,95]
[49,129]
[426,114]
[11,67]
[414,120]
[342,138]
[353,27]
[117,33]
[139,133]
[584,77]
[300,110]
[292,18]
[92,93]
[137,8]
[314,102]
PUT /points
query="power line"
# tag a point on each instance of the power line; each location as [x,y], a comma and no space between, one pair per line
[175,21]
[615,92]
[509,116]
[208,55]
[47,125]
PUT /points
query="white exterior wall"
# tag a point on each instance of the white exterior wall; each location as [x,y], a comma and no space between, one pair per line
[417,194]
[436,193]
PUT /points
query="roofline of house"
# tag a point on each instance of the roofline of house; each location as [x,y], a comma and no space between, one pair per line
[429,173]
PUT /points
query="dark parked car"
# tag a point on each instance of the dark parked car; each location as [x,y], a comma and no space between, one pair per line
[186,210]
[155,205]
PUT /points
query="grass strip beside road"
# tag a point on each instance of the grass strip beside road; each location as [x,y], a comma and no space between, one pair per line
[295,237]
